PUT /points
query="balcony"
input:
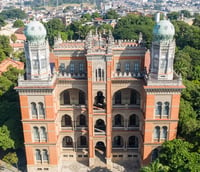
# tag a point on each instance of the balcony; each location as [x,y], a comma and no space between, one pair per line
[126,106]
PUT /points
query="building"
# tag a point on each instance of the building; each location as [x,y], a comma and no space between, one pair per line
[98,96]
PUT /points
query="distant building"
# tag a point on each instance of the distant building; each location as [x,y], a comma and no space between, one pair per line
[10,62]
[98,96]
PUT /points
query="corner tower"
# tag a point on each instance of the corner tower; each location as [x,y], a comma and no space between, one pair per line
[36,52]
[163,50]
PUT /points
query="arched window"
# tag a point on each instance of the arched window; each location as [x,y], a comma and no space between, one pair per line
[133,121]
[45,155]
[43,134]
[38,155]
[100,126]
[82,120]
[134,97]
[154,154]
[117,141]
[118,97]
[81,98]
[34,110]
[164,133]
[66,121]
[159,108]
[118,120]
[83,141]
[166,109]
[133,142]
[67,142]
[157,133]
[65,98]
[36,134]
[41,110]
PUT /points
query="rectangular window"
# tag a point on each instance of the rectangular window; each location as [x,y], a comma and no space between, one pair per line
[136,67]
[81,69]
[62,67]
[118,67]
[72,68]
[127,67]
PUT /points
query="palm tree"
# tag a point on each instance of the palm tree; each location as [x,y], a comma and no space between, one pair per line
[155,166]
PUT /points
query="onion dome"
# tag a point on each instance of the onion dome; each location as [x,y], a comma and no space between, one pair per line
[35,32]
[163,30]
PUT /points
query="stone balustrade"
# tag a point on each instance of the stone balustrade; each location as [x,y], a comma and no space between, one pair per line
[128,75]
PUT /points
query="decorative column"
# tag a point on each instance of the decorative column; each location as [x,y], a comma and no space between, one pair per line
[90,114]
[108,117]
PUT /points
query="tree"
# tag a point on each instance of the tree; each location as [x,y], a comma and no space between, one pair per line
[11,158]
[5,45]
[173,15]
[18,23]
[178,155]
[196,21]
[13,14]
[155,166]
[13,37]
[111,14]
[5,141]
[2,22]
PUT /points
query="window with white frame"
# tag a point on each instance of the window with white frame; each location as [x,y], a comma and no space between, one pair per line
[41,110]
[37,110]
[41,156]
[34,112]
[72,68]
[127,67]
[81,68]
[39,134]
[118,67]
[162,109]
[136,67]
[160,133]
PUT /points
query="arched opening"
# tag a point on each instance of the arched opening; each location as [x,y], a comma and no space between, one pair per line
[67,142]
[66,121]
[100,126]
[100,151]
[38,156]
[118,121]
[45,156]
[133,121]
[72,96]
[83,141]
[81,120]
[159,109]
[34,110]
[99,100]
[118,97]
[133,142]
[126,96]
[166,109]
[65,98]
[36,135]
[41,110]
[157,133]
[164,133]
[43,134]
[118,142]
[81,98]
[154,154]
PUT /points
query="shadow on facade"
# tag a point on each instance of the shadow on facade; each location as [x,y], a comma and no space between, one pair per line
[100,169]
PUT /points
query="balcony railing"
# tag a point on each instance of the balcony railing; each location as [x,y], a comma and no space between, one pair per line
[128,74]
[64,74]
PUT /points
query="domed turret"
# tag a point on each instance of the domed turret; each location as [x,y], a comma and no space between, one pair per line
[163,30]
[35,32]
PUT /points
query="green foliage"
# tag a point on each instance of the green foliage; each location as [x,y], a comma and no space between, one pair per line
[18,23]
[130,26]
[178,155]
[111,14]
[86,17]
[13,14]
[11,158]
[155,166]
[5,45]
[5,141]
[2,22]
[95,15]
[173,15]
[54,27]
[196,21]
[13,37]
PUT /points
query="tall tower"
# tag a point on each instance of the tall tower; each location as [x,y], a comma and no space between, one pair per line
[163,50]
[36,52]
[162,92]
